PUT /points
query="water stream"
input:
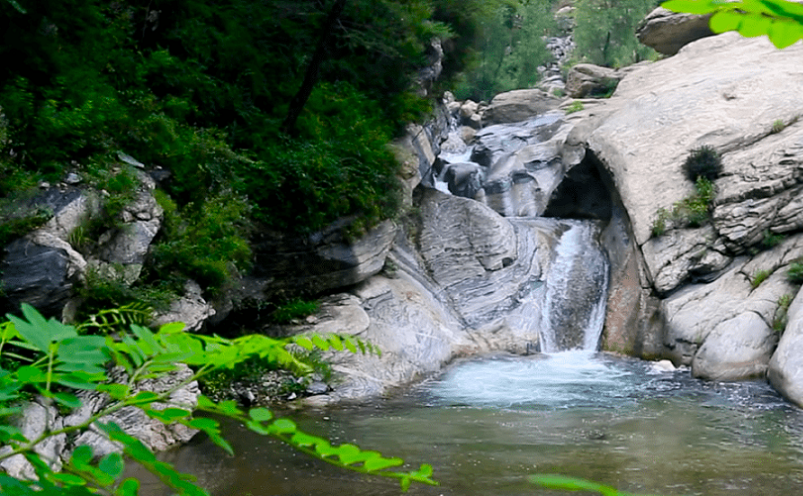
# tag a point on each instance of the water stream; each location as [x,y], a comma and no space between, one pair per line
[486,424]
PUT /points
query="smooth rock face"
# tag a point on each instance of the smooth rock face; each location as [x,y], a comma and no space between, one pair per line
[518,105]
[667,32]
[786,367]
[737,349]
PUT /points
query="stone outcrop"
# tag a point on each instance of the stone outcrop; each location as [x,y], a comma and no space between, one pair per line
[518,105]
[589,80]
[667,32]
[713,318]
[786,367]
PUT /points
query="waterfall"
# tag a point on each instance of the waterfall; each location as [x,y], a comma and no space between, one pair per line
[573,311]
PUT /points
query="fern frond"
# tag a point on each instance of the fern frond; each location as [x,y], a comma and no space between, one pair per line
[119,319]
[338,342]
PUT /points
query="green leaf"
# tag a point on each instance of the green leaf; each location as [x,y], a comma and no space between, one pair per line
[67,399]
[143,398]
[115,391]
[129,487]
[725,20]
[81,456]
[260,414]
[283,426]
[348,454]
[84,353]
[690,6]
[38,331]
[571,484]
[380,463]
[304,342]
[112,464]
[147,341]
[320,342]
[172,328]
[348,342]
[336,342]
[66,479]
[755,26]
[31,375]
[784,33]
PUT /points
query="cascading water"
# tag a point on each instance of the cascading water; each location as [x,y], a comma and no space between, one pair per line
[573,312]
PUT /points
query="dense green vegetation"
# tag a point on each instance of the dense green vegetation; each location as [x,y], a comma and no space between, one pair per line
[606,31]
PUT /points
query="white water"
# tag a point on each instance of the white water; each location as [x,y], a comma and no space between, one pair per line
[559,380]
[577,287]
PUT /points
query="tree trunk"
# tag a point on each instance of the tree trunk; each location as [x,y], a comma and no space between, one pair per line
[311,76]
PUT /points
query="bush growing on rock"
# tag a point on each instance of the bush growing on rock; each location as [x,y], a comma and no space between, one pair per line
[703,162]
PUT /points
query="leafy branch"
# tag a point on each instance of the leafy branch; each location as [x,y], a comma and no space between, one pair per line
[59,364]
[780,20]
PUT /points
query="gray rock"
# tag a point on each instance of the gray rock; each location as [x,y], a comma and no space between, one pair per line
[588,80]
[785,368]
[464,179]
[324,261]
[191,309]
[736,349]
[518,105]
[667,32]
[35,418]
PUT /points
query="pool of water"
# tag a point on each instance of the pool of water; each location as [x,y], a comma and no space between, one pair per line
[486,424]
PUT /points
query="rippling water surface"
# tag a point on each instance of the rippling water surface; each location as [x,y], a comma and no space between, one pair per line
[486,424]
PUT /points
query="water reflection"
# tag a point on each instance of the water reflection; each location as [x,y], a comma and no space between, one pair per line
[486,424]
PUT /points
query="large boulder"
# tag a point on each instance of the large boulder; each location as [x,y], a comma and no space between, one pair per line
[589,80]
[786,367]
[518,105]
[667,32]
[724,328]
[725,92]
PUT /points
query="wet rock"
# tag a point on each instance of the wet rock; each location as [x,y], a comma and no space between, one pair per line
[191,309]
[736,349]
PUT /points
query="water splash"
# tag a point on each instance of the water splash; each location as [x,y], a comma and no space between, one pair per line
[573,312]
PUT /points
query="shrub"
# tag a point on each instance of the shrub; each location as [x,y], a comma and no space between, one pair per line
[795,273]
[294,309]
[703,162]
[693,211]
[777,126]
[771,240]
[575,106]
[782,313]
[759,277]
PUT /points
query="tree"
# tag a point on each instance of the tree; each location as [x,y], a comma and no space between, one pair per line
[780,20]
[606,31]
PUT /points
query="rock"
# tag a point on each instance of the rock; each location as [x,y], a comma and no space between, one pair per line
[702,311]
[127,246]
[32,422]
[785,368]
[191,309]
[667,32]
[589,80]
[737,349]
[464,179]
[72,179]
[698,97]
[323,261]
[663,366]
[40,272]
[518,105]
[453,144]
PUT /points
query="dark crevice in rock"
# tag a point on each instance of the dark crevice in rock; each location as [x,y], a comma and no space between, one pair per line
[583,193]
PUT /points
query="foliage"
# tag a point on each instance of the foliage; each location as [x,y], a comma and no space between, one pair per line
[605,33]
[20,223]
[206,243]
[795,272]
[606,88]
[777,126]
[60,363]
[759,277]
[782,313]
[771,240]
[703,162]
[692,211]
[296,308]
[108,288]
[780,20]
[509,50]
[573,484]
[575,106]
